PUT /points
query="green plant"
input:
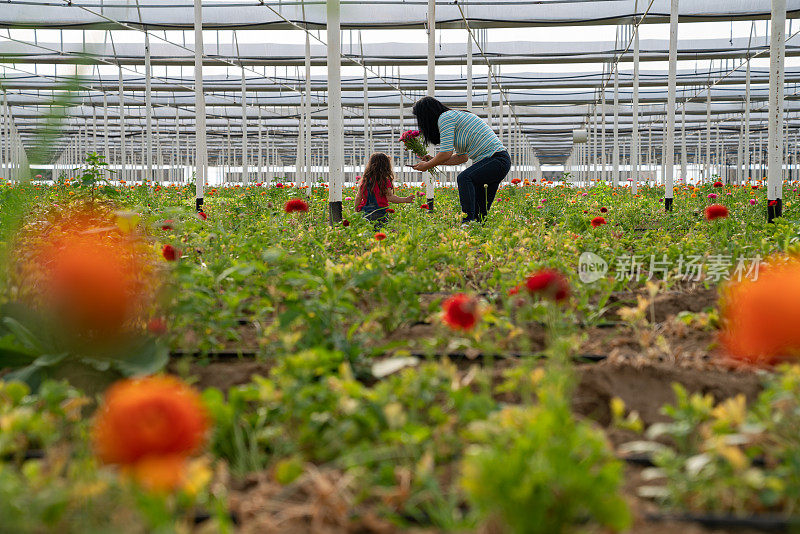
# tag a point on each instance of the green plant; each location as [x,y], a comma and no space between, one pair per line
[536,469]
[92,179]
[726,457]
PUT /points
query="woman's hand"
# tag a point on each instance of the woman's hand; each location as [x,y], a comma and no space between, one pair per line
[422,166]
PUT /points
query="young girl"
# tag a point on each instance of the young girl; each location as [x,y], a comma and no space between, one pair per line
[375,189]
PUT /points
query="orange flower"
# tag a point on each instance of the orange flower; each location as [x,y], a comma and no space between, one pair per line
[155,416]
[160,474]
[83,270]
[760,316]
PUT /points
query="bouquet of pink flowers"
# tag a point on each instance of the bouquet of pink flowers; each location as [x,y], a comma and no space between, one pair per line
[411,140]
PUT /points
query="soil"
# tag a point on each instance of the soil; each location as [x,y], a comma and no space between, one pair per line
[647,388]
[222,375]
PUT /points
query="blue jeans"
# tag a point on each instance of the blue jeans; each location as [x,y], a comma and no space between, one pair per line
[373,212]
[478,183]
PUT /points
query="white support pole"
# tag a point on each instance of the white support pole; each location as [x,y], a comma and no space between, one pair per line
[200,108]
[615,148]
[260,164]
[106,148]
[707,174]
[401,156]
[740,158]
[245,179]
[148,73]
[431,47]
[469,70]
[603,174]
[747,122]
[368,145]
[335,114]
[634,158]
[307,144]
[777,53]
[684,156]
[593,139]
[122,170]
[268,159]
[669,145]
[489,97]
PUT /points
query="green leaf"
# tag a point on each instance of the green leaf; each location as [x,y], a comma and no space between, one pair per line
[143,359]
[22,334]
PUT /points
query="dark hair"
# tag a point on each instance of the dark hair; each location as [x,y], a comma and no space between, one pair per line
[427,111]
[378,172]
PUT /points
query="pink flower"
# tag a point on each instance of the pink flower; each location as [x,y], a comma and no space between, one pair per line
[752,202]
[712,195]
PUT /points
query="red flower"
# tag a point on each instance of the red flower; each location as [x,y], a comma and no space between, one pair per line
[279,185]
[380,236]
[585,211]
[461,312]
[715,211]
[202,215]
[167,225]
[549,284]
[773,202]
[296,204]
[157,326]
[754,186]
[423,207]
[603,210]
[345,223]
[717,184]
[169,253]
[598,221]
[515,181]
[389,210]
[513,291]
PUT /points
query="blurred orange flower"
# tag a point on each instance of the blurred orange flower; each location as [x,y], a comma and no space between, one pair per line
[146,417]
[83,270]
[761,316]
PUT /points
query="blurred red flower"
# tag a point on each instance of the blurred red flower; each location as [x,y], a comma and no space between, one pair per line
[380,236]
[715,211]
[157,326]
[295,205]
[548,283]
[202,215]
[718,184]
[461,312]
[598,221]
[169,252]
[167,225]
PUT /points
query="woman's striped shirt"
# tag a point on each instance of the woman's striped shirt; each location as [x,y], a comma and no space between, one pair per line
[465,133]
